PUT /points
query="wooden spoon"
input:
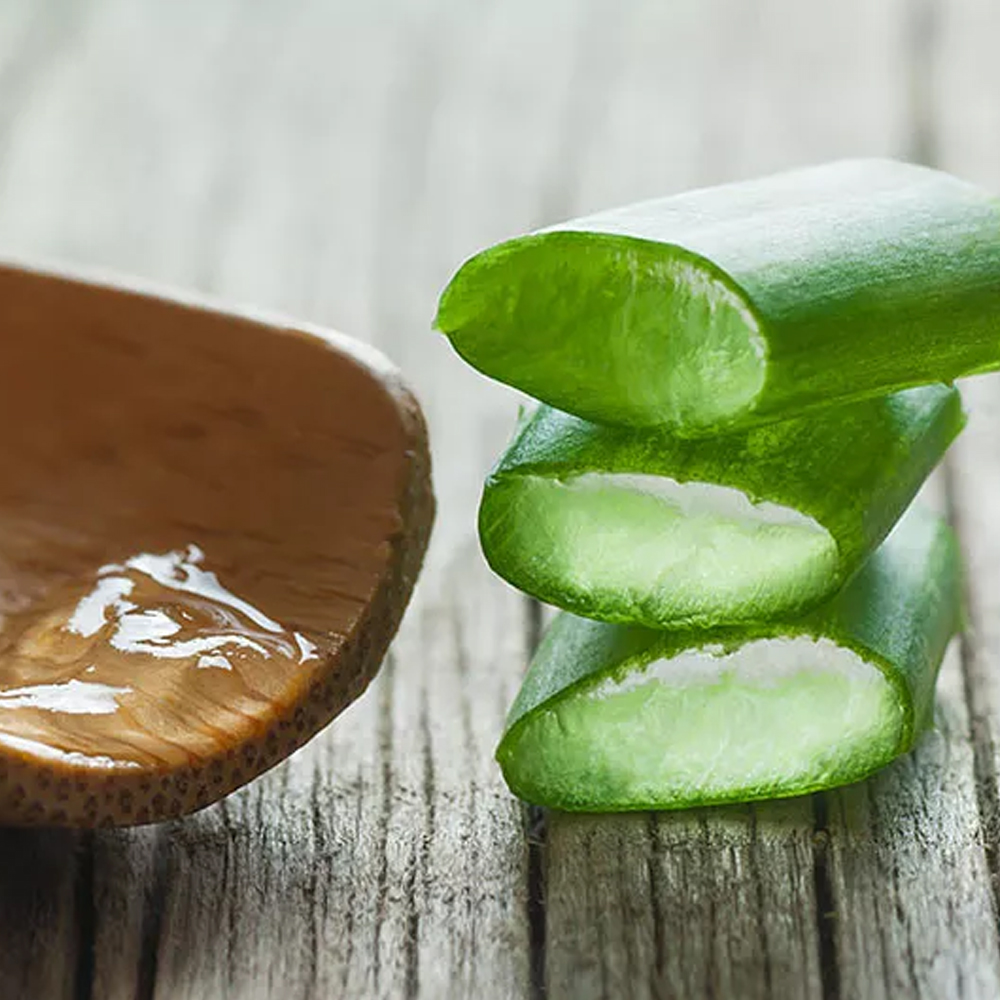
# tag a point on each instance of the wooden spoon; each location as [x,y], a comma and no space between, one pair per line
[210,526]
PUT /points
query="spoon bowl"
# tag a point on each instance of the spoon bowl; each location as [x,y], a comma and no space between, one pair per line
[210,526]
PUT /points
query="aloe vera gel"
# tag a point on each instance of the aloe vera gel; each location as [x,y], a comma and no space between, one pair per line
[614,717]
[741,303]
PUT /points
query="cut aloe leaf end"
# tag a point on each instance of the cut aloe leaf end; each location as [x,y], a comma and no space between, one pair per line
[639,548]
[616,718]
[772,717]
[640,526]
[743,303]
[609,327]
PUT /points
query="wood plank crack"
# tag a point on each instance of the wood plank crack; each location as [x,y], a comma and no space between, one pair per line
[318,878]
[652,860]
[758,879]
[154,906]
[86,919]
[826,905]
[420,865]
[535,835]
[385,741]
[352,895]
[535,828]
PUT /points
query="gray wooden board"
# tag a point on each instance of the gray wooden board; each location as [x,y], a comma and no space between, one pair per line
[336,161]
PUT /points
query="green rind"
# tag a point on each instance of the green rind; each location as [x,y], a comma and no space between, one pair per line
[864,277]
[899,613]
[854,469]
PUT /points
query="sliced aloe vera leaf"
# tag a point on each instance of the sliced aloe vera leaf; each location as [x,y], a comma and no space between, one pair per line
[641,526]
[741,303]
[614,717]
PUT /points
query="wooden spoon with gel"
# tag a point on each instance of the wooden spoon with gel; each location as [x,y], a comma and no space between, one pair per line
[210,526]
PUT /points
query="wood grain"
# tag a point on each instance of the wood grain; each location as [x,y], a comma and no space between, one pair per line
[336,162]
[716,902]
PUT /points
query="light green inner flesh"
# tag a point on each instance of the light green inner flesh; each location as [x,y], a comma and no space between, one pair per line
[774,717]
[610,328]
[651,550]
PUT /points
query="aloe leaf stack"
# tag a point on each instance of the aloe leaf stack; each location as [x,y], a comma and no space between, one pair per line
[742,389]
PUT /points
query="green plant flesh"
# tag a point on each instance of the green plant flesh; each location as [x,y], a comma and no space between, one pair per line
[612,717]
[744,303]
[641,526]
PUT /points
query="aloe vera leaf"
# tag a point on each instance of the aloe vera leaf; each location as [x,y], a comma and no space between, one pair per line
[742,303]
[642,526]
[614,717]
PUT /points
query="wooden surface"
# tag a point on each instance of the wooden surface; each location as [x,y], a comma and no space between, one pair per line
[336,161]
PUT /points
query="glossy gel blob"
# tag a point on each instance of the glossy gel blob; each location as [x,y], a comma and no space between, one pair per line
[156,664]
